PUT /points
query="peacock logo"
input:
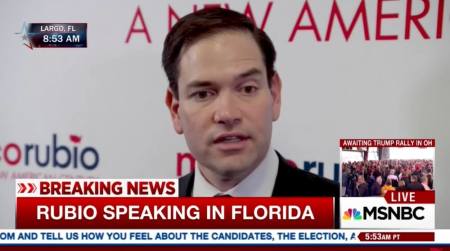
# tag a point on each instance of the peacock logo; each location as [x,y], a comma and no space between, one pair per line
[352,213]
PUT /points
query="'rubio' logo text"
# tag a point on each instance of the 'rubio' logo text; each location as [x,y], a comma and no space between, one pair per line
[53,154]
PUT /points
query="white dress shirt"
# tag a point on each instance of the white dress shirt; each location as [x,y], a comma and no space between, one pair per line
[259,183]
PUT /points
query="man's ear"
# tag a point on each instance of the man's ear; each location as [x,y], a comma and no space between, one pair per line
[173,104]
[276,96]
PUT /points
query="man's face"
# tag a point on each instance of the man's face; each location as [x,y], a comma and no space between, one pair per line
[225,107]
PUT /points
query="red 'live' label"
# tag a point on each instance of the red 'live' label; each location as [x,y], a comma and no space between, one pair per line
[416,197]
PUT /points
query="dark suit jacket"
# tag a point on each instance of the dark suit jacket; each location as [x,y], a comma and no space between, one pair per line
[363,190]
[375,190]
[415,186]
[290,182]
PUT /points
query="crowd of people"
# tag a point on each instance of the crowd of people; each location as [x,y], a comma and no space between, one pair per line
[376,177]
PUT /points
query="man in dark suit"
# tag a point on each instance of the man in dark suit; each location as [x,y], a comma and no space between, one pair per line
[414,185]
[375,189]
[224,94]
[290,181]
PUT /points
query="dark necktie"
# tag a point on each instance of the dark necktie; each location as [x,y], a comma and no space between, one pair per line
[222,195]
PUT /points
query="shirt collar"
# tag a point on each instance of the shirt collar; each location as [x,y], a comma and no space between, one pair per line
[259,183]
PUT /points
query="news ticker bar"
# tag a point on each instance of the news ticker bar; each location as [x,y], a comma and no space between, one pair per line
[221,236]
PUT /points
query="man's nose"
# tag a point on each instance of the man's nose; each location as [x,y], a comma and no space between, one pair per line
[227,110]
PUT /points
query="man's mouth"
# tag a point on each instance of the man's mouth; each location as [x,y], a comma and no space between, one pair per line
[230,138]
[231,141]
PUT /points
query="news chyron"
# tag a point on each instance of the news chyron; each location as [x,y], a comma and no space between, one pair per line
[154,204]
[57,35]
[387,183]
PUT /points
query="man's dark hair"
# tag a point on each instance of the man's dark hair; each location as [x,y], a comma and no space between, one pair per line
[195,26]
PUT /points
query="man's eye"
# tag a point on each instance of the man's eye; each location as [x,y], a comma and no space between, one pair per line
[202,95]
[249,89]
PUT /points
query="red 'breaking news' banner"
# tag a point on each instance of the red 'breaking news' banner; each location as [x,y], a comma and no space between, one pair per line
[174,213]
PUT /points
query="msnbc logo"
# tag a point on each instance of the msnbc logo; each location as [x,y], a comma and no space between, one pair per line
[352,213]
[53,154]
